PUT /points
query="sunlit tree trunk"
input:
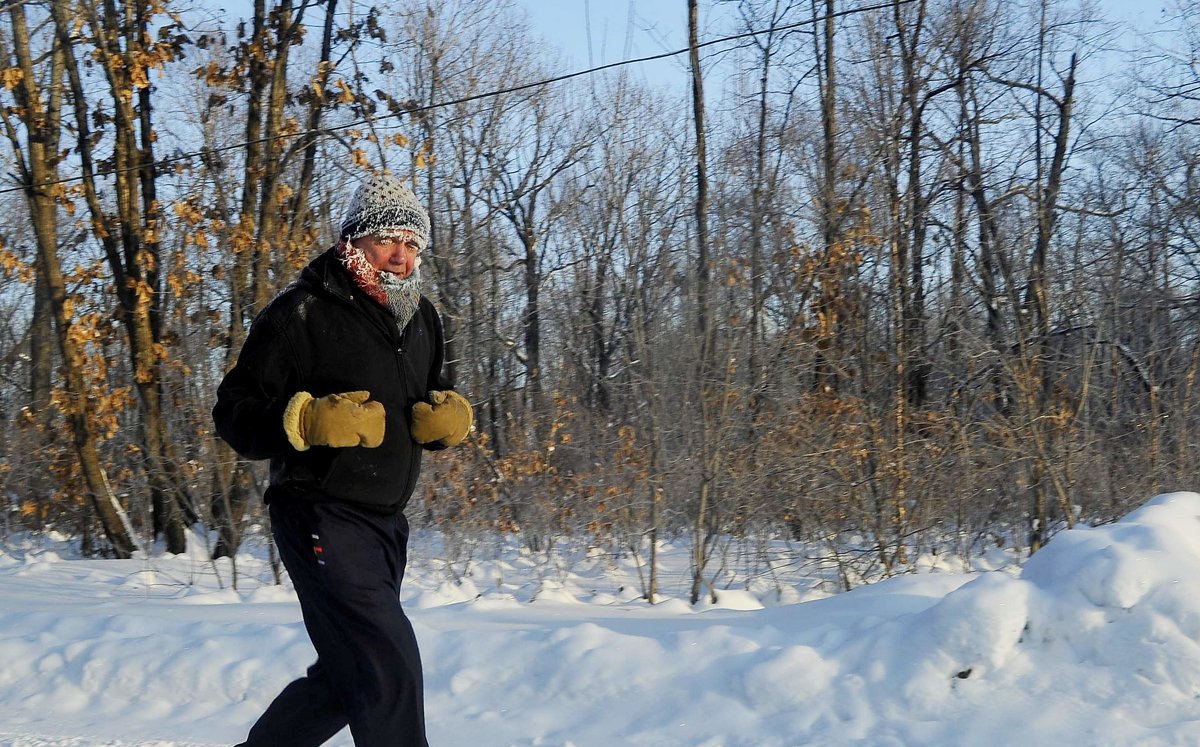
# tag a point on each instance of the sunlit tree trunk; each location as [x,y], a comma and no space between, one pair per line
[37,165]
[128,56]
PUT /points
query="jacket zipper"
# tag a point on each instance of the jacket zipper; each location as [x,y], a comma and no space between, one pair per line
[409,482]
[395,340]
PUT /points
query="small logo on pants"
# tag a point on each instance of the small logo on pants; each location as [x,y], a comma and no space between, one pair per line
[318,550]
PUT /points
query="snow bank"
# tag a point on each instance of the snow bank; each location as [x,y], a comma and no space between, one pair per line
[1093,643]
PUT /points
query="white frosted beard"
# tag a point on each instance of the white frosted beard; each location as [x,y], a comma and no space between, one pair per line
[403,295]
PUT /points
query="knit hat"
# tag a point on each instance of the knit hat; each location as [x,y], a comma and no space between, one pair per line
[384,206]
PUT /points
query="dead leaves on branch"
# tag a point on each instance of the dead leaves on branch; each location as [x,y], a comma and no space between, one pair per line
[548,489]
[11,77]
[14,268]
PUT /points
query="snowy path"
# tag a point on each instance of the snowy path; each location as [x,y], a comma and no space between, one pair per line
[1095,643]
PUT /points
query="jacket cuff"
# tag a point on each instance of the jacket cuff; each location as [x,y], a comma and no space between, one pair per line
[292,424]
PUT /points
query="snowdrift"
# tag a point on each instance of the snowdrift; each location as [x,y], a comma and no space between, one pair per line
[1094,642]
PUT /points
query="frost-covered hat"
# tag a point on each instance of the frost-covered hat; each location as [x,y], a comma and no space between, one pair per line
[384,206]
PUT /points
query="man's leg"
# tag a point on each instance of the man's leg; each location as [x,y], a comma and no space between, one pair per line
[310,709]
[370,650]
[346,566]
[306,714]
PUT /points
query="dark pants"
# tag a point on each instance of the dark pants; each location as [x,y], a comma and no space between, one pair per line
[346,566]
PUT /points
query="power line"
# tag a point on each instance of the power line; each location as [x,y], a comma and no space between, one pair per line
[14,4]
[416,110]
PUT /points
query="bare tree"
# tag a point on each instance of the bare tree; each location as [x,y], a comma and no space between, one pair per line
[37,154]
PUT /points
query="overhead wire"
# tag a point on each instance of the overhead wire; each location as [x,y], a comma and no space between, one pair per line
[418,110]
[14,4]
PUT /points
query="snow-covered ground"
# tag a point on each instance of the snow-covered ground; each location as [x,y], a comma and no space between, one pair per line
[1093,642]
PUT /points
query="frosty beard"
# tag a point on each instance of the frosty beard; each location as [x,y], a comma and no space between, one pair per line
[403,294]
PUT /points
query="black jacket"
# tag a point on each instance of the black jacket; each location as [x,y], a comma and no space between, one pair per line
[323,335]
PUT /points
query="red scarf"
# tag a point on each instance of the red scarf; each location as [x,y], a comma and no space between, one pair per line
[365,276]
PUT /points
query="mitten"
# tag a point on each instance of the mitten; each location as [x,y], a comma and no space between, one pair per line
[348,419]
[446,418]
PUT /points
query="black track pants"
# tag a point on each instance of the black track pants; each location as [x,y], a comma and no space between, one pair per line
[347,565]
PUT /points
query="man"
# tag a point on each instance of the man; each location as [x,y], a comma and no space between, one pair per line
[339,384]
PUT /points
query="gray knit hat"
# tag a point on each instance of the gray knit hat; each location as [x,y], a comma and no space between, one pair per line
[384,206]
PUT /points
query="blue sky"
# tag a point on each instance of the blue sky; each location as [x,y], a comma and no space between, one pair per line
[619,29]
[594,32]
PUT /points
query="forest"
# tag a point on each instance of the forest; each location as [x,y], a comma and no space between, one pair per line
[883,278]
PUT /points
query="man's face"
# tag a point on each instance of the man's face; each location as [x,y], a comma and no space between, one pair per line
[394,254]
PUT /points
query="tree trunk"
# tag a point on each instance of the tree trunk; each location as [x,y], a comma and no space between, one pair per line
[1039,371]
[701,525]
[133,253]
[38,168]
[825,364]
[531,324]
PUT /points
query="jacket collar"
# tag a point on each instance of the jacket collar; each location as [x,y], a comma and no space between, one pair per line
[327,273]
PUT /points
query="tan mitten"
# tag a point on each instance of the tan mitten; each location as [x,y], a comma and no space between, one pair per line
[342,420]
[446,418]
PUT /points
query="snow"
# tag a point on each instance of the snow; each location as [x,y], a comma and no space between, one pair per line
[1092,642]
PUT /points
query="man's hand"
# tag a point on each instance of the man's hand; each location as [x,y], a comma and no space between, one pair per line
[347,419]
[446,418]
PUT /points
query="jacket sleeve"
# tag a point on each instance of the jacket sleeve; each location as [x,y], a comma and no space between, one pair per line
[254,394]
